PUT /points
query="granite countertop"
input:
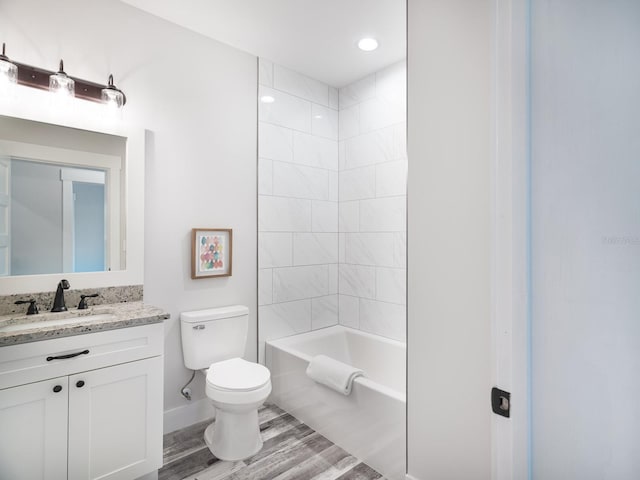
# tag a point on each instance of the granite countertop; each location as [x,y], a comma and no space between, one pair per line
[16,329]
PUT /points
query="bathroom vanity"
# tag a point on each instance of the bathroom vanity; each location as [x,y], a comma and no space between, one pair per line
[81,393]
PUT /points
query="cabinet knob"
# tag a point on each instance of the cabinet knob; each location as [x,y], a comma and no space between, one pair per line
[57,388]
[80,383]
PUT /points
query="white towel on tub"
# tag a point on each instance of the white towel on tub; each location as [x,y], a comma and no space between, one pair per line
[332,373]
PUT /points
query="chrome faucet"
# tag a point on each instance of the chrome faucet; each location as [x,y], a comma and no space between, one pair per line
[58,303]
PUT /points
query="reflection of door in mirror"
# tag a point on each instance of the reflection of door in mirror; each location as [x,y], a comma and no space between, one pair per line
[5,216]
[58,216]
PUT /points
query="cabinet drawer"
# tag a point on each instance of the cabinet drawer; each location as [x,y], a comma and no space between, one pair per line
[32,362]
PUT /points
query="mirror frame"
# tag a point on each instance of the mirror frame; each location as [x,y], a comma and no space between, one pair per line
[89,118]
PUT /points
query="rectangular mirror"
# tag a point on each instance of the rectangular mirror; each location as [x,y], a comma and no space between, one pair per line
[60,208]
[65,208]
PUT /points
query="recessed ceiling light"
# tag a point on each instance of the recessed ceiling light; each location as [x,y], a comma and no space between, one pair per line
[267,99]
[319,117]
[368,44]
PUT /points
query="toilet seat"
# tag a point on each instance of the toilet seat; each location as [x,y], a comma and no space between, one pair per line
[236,382]
[237,375]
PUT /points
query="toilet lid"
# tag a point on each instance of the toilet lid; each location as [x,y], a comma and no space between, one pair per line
[238,375]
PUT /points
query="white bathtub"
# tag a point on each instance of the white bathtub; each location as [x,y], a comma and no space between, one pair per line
[370,423]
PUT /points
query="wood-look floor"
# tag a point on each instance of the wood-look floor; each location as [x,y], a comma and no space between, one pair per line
[291,451]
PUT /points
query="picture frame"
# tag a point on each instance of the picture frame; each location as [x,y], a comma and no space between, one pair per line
[211,252]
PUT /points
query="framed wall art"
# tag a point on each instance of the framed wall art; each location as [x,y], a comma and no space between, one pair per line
[211,252]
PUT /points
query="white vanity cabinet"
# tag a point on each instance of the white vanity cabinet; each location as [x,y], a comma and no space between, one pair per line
[97,415]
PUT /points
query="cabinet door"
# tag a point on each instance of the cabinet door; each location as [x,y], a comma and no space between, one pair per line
[33,431]
[115,421]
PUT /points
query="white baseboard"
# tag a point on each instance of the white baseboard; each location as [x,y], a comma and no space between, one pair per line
[193,412]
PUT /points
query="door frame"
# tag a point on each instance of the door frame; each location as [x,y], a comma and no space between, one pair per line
[510,255]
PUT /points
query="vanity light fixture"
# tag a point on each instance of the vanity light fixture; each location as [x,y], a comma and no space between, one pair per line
[368,44]
[62,84]
[59,82]
[111,96]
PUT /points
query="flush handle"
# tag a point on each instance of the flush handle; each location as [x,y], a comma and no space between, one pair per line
[198,327]
[501,402]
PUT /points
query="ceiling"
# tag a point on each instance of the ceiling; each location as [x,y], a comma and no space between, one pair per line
[315,37]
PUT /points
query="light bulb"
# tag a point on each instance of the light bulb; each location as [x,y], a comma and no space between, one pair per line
[267,99]
[8,73]
[111,96]
[61,84]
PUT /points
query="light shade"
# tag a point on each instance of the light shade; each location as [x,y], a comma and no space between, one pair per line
[111,96]
[368,44]
[61,84]
[8,70]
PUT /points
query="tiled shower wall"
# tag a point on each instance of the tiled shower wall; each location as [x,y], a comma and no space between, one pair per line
[297,203]
[310,184]
[372,203]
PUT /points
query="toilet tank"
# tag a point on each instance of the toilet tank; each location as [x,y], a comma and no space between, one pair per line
[213,335]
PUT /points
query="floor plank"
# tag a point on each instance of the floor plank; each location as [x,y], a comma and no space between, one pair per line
[291,451]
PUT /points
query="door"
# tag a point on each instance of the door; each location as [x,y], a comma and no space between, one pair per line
[115,425]
[585,239]
[33,431]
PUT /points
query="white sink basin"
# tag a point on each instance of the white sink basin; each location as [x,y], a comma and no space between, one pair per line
[43,323]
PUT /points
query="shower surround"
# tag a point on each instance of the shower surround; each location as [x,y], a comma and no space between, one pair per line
[331,209]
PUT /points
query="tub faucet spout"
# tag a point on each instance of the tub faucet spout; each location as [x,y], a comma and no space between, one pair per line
[58,303]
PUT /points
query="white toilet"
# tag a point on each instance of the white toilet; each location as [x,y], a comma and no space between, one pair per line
[214,340]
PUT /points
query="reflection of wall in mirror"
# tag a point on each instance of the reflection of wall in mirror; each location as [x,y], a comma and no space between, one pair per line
[39,242]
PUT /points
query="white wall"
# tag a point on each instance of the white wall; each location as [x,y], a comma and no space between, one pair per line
[449,233]
[298,204]
[201,149]
[585,239]
[372,217]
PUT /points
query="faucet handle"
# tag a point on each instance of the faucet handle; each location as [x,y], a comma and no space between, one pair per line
[83,300]
[33,308]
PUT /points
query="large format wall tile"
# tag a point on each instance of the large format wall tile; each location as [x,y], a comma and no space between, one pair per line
[383,214]
[275,142]
[324,216]
[370,249]
[295,283]
[324,312]
[278,214]
[284,319]
[384,319]
[391,179]
[370,148]
[349,216]
[314,151]
[324,122]
[290,180]
[358,183]
[285,110]
[357,92]
[391,285]
[315,248]
[275,250]
[265,176]
[265,286]
[265,72]
[349,308]
[357,280]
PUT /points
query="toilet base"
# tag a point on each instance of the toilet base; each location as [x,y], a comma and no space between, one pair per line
[234,436]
